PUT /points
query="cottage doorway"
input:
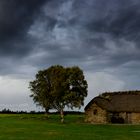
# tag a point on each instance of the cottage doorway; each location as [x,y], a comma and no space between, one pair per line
[115,118]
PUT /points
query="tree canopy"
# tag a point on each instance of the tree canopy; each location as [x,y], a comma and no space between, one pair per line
[58,87]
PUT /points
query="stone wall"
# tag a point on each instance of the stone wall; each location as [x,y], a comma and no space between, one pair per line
[130,118]
[95,114]
[135,118]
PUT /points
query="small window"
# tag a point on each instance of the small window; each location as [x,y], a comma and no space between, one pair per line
[95,112]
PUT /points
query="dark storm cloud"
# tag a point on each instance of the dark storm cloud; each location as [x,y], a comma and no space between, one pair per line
[122,22]
[16,16]
[115,21]
[90,33]
[15,19]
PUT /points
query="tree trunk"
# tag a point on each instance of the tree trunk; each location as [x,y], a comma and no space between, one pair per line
[46,112]
[62,116]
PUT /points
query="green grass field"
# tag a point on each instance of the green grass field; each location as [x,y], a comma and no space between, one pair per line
[37,127]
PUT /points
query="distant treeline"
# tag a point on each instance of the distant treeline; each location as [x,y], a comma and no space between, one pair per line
[8,111]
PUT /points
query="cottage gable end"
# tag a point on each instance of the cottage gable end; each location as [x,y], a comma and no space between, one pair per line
[95,114]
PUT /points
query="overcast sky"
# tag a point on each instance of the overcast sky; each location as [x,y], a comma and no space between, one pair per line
[102,37]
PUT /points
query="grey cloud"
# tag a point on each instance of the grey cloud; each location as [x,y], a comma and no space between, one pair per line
[120,22]
[90,33]
[16,16]
[15,19]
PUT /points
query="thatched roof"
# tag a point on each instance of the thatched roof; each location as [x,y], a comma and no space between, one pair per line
[118,101]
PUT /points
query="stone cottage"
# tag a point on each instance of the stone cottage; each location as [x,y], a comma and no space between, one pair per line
[116,107]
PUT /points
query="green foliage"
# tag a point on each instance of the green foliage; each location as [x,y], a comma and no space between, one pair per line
[58,87]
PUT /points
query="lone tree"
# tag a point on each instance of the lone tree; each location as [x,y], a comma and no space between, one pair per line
[58,87]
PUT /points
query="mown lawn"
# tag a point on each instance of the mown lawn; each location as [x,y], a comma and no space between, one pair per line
[37,127]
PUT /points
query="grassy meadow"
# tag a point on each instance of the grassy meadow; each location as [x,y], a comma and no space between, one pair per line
[38,127]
